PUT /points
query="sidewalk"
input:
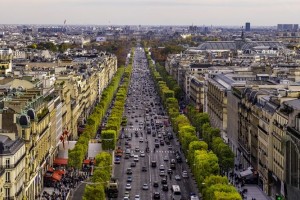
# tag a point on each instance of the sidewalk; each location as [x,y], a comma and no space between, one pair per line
[253,191]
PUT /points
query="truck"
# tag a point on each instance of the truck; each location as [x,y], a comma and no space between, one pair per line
[113,188]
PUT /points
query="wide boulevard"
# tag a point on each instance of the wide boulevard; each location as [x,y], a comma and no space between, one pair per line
[148,138]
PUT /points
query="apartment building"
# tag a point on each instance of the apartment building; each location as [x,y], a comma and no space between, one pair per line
[291,147]
[197,91]
[217,87]
[261,134]
[6,56]
[12,165]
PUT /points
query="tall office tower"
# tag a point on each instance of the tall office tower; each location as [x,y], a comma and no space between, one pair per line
[247,26]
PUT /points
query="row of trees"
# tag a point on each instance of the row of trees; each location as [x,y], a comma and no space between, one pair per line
[52,47]
[103,167]
[205,164]
[113,126]
[101,177]
[78,153]
[200,121]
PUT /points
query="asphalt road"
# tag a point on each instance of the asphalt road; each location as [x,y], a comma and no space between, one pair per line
[142,96]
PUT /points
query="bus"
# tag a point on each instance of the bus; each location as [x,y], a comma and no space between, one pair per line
[176,193]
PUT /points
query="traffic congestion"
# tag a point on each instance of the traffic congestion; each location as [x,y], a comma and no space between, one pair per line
[150,164]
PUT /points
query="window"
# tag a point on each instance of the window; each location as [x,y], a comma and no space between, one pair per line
[7,192]
[7,177]
[7,163]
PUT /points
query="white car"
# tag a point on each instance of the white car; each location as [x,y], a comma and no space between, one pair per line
[166,158]
[142,154]
[161,167]
[137,197]
[145,186]
[185,174]
[135,158]
[128,186]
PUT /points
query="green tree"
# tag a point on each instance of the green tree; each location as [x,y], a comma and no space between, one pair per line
[94,192]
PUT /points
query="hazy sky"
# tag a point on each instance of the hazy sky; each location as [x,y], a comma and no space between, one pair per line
[150,12]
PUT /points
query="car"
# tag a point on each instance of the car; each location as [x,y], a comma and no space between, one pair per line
[137,149]
[170,147]
[173,161]
[136,120]
[129,179]
[166,158]
[162,173]
[137,197]
[170,171]
[142,154]
[144,169]
[126,198]
[156,195]
[126,194]
[131,154]
[161,142]
[177,178]
[129,171]
[117,160]
[185,174]
[153,163]
[165,187]
[126,156]
[155,184]
[179,159]
[128,186]
[161,167]
[141,139]
[145,186]
[135,158]
[133,164]
[164,181]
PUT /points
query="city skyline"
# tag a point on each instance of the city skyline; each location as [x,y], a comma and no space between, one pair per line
[147,12]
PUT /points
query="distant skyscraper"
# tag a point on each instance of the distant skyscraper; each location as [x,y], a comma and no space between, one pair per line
[247,26]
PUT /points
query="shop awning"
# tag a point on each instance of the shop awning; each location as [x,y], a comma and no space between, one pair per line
[60,161]
[87,161]
[50,169]
[246,172]
[56,176]
[60,172]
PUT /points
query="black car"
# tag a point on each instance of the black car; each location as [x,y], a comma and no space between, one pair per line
[144,169]
[133,164]
[165,187]
[153,164]
[179,159]
[155,184]
[156,195]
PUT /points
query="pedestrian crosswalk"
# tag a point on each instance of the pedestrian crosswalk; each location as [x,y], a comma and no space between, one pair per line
[163,151]
[132,129]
